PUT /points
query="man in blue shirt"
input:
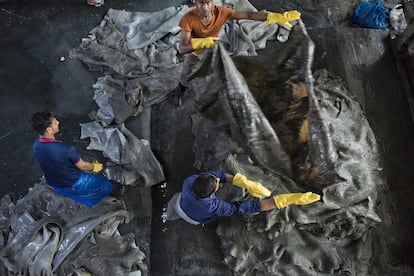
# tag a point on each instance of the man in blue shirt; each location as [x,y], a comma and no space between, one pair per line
[65,171]
[197,203]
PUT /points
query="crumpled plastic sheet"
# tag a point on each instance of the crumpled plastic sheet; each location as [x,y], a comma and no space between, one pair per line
[293,131]
[45,234]
[118,99]
[105,50]
[131,160]
[142,29]
[135,43]
[117,102]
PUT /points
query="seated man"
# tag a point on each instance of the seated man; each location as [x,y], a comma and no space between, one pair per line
[197,203]
[65,171]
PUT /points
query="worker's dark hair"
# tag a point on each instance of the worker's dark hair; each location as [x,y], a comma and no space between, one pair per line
[41,121]
[204,185]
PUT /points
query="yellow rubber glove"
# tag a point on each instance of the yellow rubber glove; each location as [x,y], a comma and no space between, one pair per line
[255,189]
[284,200]
[283,18]
[206,42]
[97,167]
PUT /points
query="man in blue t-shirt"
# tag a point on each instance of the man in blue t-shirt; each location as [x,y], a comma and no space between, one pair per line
[197,203]
[65,171]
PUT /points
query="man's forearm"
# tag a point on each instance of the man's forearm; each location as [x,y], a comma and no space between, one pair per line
[84,166]
[229,178]
[267,204]
[257,16]
[185,48]
[89,167]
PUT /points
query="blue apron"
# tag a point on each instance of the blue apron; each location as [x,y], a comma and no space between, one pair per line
[88,190]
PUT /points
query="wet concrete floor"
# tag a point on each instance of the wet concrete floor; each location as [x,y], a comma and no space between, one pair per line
[36,34]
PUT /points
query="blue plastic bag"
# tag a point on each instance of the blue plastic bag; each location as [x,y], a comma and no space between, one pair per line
[371,15]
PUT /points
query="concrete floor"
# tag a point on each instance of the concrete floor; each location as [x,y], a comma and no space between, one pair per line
[32,78]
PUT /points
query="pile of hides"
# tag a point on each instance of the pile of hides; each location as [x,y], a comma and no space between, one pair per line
[293,131]
[48,234]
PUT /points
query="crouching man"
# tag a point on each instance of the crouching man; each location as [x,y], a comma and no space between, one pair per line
[197,203]
[64,170]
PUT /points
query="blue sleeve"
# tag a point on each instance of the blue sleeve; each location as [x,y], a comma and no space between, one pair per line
[224,208]
[250,206]
[73,156]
